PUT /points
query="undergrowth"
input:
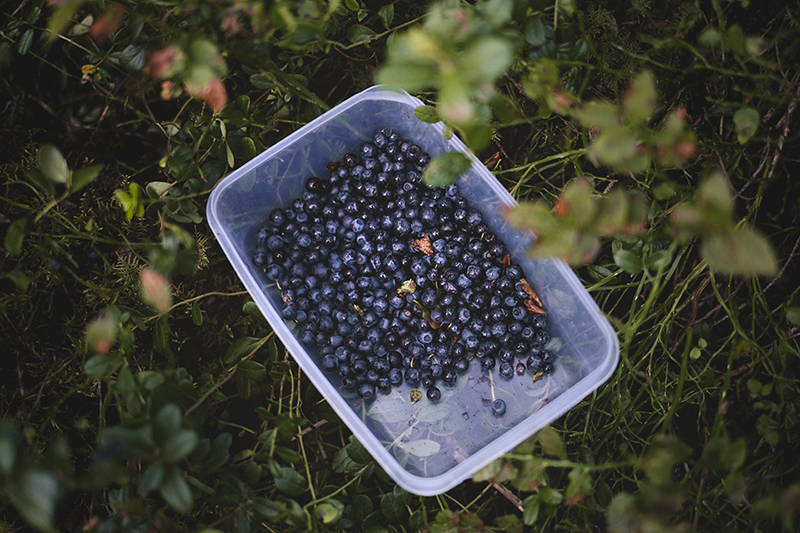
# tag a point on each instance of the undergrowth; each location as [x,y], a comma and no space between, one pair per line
[143,390]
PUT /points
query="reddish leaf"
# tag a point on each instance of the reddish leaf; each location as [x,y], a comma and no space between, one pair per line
[423,245]
[213,94]
[533,308]
[158,64]
[107,24]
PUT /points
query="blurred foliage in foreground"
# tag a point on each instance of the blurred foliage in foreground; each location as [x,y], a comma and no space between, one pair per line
[143,391]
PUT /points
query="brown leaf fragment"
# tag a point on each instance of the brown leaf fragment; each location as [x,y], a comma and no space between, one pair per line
[507,262]
[533,308]
[423,245]
[530,292]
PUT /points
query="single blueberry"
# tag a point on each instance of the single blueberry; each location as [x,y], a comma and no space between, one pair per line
[498,407]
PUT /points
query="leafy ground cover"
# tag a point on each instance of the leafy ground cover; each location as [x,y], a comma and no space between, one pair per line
[651,144]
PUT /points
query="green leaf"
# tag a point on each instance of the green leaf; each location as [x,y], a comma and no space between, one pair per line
[530,509]
[551,442]
[168,422]
[220,452]
[263,81]
[746,121]
[550,495]
[157,189]
[393,505]
[362,507]
[357,452]
[251,369]
[9,441]
[742,251]
[290,481]
[62,16]
[83,176]
[247,147]
[25,42]
[358,33]
[386,13]
[132,443]
[250,308]
[641,98]
[241,348]
[327,512]
[343,463]
[175,490]
[179,445]
[199,485]
[266,507]
[40,180]
[197,313]
[352,5]
[34,495]
[628,261]
[132,58]
[161,332]
[101,365]
[427,113]
[486,59]
[52,164]
[445,169]
[14,237]
[535,33]
[231,161]
[151,479]
[793,315]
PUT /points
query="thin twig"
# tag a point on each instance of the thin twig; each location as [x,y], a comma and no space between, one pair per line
[210,391]
[505,491]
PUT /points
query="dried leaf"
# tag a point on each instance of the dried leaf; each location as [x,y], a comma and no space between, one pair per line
[507,262]
[416,395]
[533,308]
[408,287]
[423,245]
[537,376]
[530,292]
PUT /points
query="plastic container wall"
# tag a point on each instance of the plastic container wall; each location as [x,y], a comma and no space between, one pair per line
[426,447]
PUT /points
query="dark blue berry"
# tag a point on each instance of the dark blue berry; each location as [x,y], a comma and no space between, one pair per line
[498,407]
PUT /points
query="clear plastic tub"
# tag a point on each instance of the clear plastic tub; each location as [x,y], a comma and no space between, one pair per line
[426,447]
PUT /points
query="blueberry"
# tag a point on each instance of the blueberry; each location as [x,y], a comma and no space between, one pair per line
[434,394]
[366,391]
[534,363]
[330,363]
[498,407]
[506,370]
[304,240]
[412,376]
[395,377]
[275,243]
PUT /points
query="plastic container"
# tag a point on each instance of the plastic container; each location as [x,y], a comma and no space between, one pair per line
[426,447]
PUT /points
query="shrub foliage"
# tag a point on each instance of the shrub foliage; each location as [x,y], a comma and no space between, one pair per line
[651,145]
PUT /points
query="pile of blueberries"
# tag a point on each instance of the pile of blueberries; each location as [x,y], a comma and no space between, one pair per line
[390,280]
